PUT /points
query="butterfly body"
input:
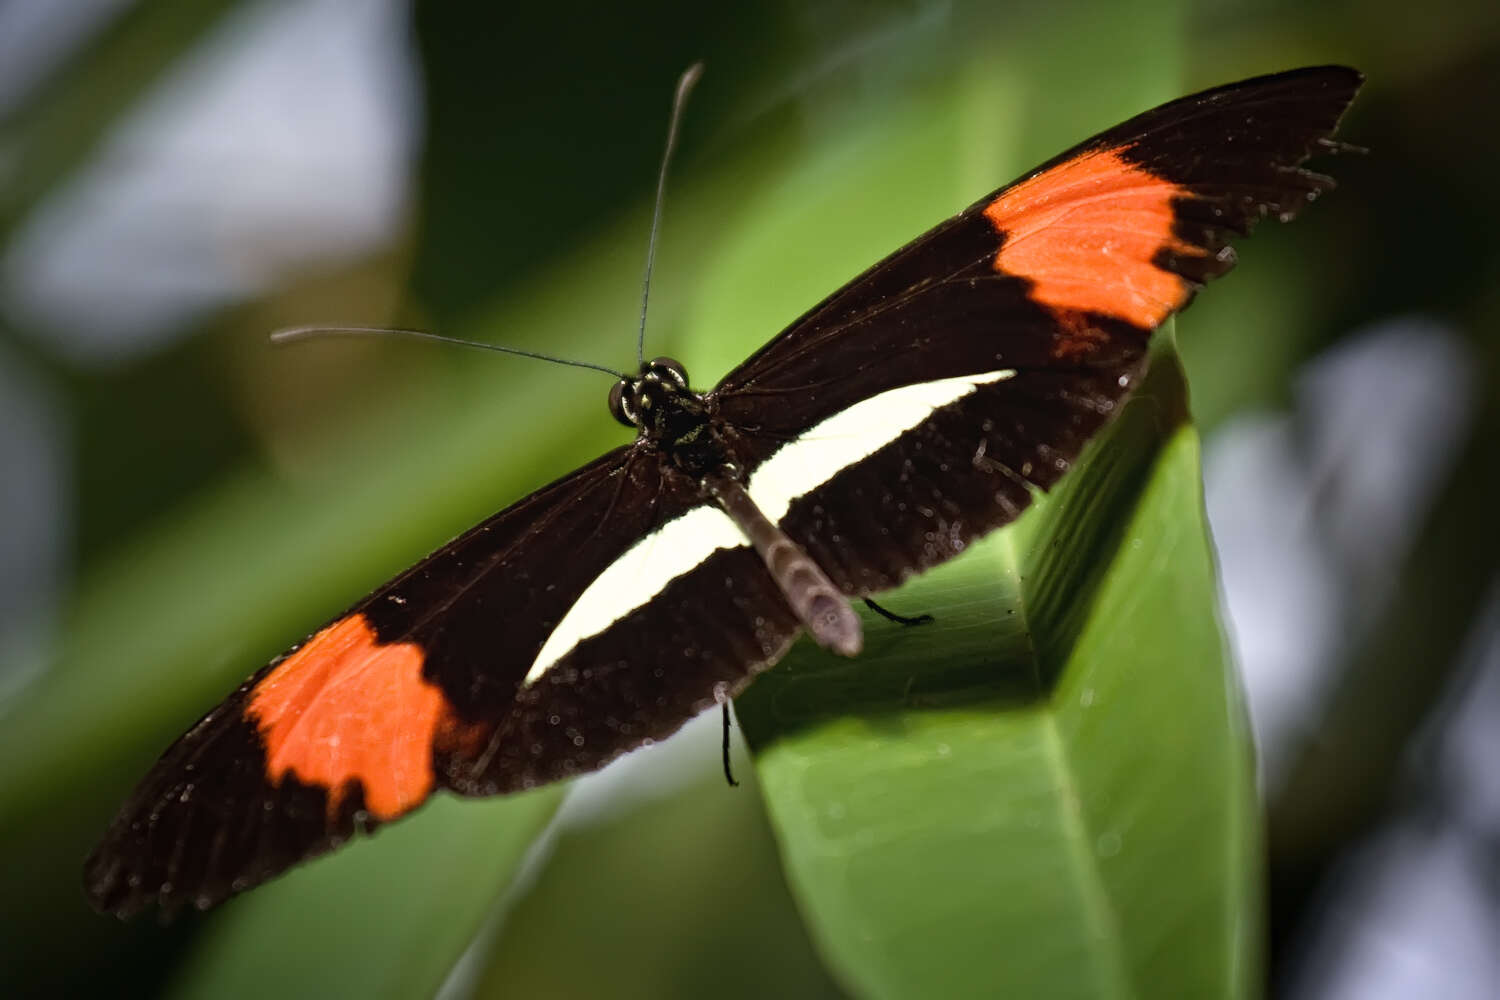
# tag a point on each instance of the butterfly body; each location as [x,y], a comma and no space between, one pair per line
[911,412]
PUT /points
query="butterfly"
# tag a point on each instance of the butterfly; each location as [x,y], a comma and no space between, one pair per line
[911,412]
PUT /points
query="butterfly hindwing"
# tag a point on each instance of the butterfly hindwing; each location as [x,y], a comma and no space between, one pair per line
[698,639]
[967,469]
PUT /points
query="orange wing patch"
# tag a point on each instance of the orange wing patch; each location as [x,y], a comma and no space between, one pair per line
[346,708]
[1085,232]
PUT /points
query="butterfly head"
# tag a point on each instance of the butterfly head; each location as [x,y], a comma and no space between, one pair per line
[659,396]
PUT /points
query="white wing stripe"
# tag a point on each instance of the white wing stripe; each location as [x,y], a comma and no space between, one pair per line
[642,572]
[797,468]
[848,436]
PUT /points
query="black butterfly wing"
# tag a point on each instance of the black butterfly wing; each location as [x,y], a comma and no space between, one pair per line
[423,685]
[1045,293]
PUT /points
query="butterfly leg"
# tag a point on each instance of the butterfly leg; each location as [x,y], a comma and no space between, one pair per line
[891,616]
[728,772]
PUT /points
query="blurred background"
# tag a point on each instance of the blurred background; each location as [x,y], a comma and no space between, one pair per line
[178,499]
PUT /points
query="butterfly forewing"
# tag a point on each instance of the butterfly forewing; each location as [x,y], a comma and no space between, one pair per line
[1060,278]
[396,697]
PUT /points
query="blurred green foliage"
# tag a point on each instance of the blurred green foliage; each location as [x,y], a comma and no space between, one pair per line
[229,499]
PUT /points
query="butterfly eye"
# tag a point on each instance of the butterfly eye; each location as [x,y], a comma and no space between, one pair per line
[620,406]
[672,369]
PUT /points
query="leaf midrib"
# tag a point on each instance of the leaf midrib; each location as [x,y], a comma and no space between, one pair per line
[1107,960]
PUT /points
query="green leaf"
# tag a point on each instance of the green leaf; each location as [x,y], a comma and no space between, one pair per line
[386,917]
[1050,791]
[668,884]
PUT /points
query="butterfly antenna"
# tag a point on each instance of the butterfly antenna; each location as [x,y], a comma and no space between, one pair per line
[292,334]
[684,88]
